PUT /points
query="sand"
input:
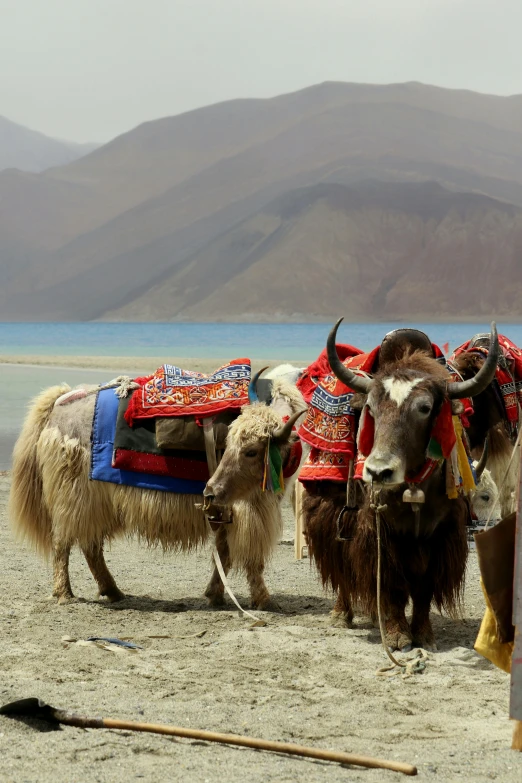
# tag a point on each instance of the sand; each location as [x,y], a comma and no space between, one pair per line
[132,365]
[297,679]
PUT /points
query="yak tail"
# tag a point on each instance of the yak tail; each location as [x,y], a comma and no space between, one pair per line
[29,516]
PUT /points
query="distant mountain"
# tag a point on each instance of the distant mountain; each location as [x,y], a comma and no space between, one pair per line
[374,250]
[211,206]
[28,150]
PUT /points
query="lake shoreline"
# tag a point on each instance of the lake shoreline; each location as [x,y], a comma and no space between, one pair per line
[127,364]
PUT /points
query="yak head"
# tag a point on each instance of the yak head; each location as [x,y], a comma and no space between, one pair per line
[401,408]
[241,470]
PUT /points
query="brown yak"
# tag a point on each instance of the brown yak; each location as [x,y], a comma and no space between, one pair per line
[423,559]
[55,505]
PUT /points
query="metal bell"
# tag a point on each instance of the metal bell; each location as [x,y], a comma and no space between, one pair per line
[413,495]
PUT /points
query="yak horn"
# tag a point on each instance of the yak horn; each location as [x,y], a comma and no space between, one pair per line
[252,387]
[283,432]
[349,378]
[481,464]
[460,389]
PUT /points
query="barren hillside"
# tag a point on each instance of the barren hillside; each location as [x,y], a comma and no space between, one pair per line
[200,191]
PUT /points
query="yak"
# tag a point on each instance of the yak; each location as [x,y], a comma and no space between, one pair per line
[488,421]
[55,505]
[424,553]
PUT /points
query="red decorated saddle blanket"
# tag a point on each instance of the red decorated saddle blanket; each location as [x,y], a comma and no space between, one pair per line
[508,374]
[172,391]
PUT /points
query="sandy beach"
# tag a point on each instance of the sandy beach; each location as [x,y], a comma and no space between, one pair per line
[297,679]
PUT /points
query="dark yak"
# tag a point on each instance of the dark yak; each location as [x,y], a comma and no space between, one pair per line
[489,418]
[423,558]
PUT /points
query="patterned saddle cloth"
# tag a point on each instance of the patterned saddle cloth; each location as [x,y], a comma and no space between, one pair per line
[172,391]
[157,434]
[148,468]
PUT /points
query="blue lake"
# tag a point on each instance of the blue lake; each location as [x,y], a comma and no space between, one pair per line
[299,342]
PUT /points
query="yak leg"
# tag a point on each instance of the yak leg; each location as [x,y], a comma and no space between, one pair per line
[398,633]
[215,591]
[421,629]
[96,562]
[62,589]
[258,591]
[342,613]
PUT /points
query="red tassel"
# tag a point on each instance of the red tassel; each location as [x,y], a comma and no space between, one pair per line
[366,434]
[443,430]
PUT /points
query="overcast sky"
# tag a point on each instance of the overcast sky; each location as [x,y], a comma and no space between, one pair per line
[88,70]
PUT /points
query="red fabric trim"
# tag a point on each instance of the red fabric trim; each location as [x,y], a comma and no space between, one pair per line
[158,465]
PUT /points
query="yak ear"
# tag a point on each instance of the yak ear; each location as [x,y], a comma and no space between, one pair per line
[358,401]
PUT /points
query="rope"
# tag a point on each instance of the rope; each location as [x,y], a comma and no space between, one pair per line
[123,385]
[406,666]
[221,570]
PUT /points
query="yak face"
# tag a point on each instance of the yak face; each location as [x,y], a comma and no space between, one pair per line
[404,403]
[240,472]
[485,499]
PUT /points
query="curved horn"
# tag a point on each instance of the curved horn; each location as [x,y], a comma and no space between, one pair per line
[283,432]
[349,378]
[460,389]
[481,464]
[252,387]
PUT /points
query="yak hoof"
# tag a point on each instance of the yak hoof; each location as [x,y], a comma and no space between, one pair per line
[113,595]
[398,641]
[66,598]
[406,649]
[341,619]
[215,600]
[267,605]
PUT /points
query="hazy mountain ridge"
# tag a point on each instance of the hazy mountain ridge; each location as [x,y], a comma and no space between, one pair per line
[28,150]
[173,197]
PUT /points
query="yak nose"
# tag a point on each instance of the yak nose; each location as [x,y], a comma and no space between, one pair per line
[383,469]
[208,494]
[380,475]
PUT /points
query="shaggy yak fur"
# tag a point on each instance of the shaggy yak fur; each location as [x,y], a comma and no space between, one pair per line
[55,505]
[428,567]
[489,419]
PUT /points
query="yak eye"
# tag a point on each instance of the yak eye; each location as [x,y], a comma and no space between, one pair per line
[485,497]
[425,408]
[251,453]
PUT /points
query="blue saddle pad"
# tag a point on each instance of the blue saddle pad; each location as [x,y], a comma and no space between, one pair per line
[102,446]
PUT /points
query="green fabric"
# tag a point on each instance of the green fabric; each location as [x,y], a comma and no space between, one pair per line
[276,468]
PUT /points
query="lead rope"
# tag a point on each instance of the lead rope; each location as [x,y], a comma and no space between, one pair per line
[407,666]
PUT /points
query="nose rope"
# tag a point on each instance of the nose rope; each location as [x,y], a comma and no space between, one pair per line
[417,662]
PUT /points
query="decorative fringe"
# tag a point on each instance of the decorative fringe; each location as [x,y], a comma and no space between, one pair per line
[273,480]
[460,478]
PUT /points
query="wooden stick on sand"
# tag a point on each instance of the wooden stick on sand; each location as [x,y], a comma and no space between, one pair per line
[34,708]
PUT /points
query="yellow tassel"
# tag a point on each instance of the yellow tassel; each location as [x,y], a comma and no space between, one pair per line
[468,482]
